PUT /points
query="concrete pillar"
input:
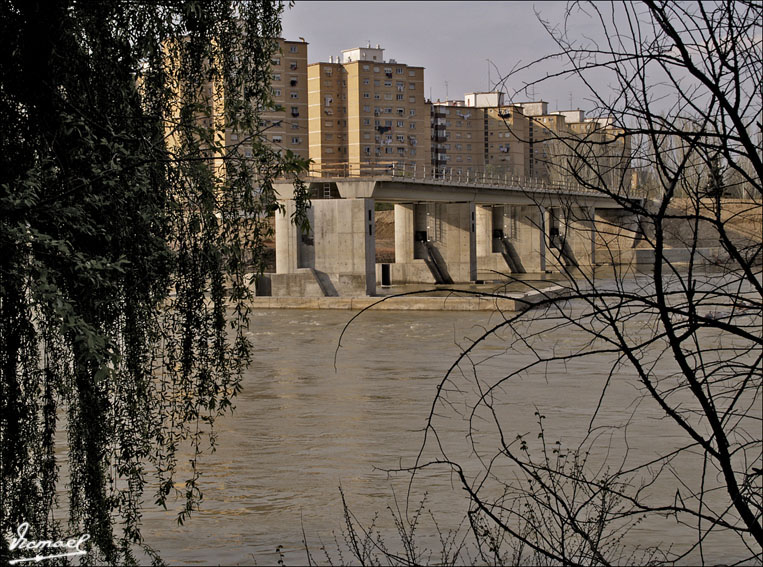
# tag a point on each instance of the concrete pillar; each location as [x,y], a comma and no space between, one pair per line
[579,231]
[404,233]
[484,232]
[287,240]
[459,245]
[530,240]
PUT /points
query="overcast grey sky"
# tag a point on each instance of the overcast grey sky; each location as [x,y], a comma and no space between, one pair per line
[452,40]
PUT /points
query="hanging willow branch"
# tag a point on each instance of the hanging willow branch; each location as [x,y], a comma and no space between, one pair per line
[129,237]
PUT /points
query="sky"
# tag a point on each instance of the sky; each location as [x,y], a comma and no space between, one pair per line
[464,46]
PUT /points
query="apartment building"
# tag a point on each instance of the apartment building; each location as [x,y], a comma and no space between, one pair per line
[480,135]
[285,126]
[368,113]
[457,137]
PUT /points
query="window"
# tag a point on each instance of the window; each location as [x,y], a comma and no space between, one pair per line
[399,70]
[328,71]
[296,139]
[276,76]
[329,136]
[294,126]
[387,83]
[401,111]
[387,110]
[293,65]
[366,136]
[234,137]
[412,125]
[366,122]
[411,98]
[412,86]
[401,139]
[376,69]
[366,108]
[411,73]
[328,150]
[275,61]
[277,139]
[400,124]
[412,112]
[387,150]
[365,67]
[327,100]
[387,96]
[388,123]
[401,151]
[293,81]
[295,111]
[328,123]
[293,49]
[366,95]
[367,150]
[277,92]
[468,147]
[377,96]
[365,81]
[377,82]
[294,94]
[400,97]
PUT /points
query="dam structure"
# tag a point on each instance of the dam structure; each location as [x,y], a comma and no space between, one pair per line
[448,230]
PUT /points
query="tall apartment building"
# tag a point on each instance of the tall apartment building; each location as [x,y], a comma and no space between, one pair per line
[367,113]
[286,127]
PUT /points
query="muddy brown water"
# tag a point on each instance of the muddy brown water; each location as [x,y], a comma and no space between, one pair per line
[302,428]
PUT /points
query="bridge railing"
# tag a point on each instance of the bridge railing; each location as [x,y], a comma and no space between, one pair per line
[449,175]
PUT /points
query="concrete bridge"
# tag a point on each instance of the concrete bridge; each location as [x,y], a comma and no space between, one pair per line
[446,231]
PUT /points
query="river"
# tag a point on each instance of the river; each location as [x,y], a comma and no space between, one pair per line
[303,427]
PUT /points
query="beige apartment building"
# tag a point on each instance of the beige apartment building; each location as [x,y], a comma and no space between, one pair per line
[285,127]
[367,113]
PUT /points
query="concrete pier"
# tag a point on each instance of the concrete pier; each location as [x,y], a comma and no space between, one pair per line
[434,243]
[336,257]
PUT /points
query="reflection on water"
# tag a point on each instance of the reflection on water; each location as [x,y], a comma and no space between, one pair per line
[302,429]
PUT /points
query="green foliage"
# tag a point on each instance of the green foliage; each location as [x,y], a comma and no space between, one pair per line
[129,239]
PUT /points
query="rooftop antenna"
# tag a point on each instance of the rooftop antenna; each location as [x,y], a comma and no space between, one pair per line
[488,74]
[570,100]
[446,91]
